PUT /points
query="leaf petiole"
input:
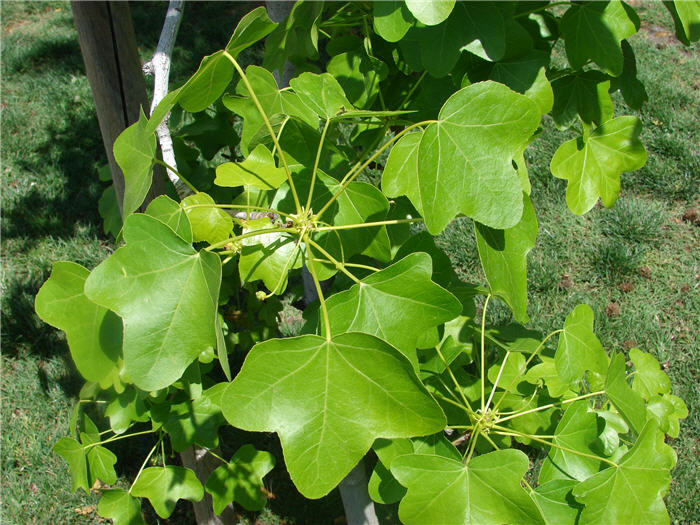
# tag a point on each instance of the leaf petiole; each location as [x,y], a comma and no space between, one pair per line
[179,175]
[550,405]
[117,438]
[368,224]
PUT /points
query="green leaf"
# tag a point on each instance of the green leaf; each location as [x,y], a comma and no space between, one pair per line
[269,256]
[74,454]
[667,409]
[209,223]
[556,501]
[207,84]
[299,388]
[430,13]
[628,402]
[579,349]
[594,30]
[120,507]
[629,85]
[196,421]
[164,486]
[546,372]
[125,408]
[383,486]
[108,207]
[101,460]
[134,151]
[577,430]
[593,166]
[272,100]
[686,18]
[485,491]
[295,38]
[400,176]
[443,273]
[253,27]
[465,161]
[240,480]
[161,338]
[94,334]
[381,304]
[321,93]
[633,491]
[649,379]
[503,255]
[359,75]
[221,349]
[257,170]
[169,212]
[583,94]
[391,19]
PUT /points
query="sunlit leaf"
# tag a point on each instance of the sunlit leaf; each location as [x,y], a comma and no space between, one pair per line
[94,333]
[649,379]
[253,27]
[209,223]
[164,486]
[74,454]
[430,13]
[207,84]
[485,491]
[134,151]
[381,303]
[329,400]
[257,170]
[321,93]
[120,507]
[579,349]
[391,20]
[161,338]
[503,255]
[628,402]
[633,491]
[168,211]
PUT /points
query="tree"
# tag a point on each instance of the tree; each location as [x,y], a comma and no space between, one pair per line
[398,354]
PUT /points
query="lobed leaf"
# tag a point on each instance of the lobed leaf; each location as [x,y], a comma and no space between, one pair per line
[161,338]
[329,400]
[164,486]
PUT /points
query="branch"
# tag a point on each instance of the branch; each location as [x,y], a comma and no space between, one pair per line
[159,67]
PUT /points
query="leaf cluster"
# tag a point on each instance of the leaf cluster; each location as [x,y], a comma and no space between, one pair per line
[401,117]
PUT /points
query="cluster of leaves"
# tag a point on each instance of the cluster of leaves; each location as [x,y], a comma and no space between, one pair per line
[397,355]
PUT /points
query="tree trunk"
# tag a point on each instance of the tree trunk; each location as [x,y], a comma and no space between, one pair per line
[108,45]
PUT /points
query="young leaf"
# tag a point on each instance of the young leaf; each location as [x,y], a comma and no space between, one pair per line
[209,223]
[391,19]
[667,409]
[485,491]
[594,30]
[207,84]
[299,388]
[101,460]
[161,338]
[240,480]
[272,100]
[74,454]
[253,27]
[593,166]
[579,349]
[257,170]
[321,93]
[120,507]
[465,160]
[383,302]
[628,402]
[577,430]
[134,151]
[163,486]
[503,255]
[430,13]
[169,212]
[633,491]
[94,333]
[649,379]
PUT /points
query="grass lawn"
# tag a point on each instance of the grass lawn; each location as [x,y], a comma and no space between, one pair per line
[637,265]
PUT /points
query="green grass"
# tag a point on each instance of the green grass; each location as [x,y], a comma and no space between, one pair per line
[640,255]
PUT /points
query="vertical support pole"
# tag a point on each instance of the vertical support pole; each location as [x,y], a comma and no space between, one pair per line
[108,45]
